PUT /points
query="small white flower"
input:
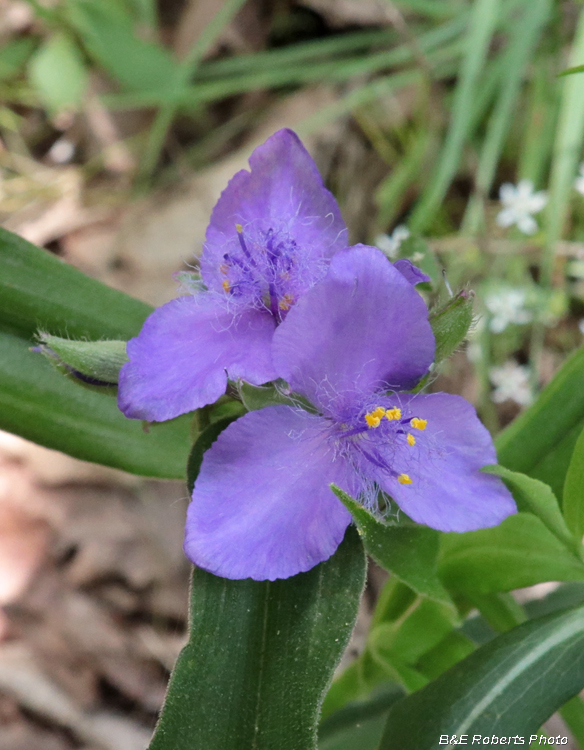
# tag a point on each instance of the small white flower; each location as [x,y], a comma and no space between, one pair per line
[474,348]
[579,181]
[62,151]
[519,204]
[507,305]
[390,243]
[511,383]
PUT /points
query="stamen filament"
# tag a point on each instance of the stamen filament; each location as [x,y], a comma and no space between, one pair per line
[243,245]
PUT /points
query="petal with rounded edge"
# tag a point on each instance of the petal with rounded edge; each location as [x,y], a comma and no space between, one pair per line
[447,491]
[262,507]
[527,224]
[362,327]
[410,272]
[186,351]
[507,217]
[283,188]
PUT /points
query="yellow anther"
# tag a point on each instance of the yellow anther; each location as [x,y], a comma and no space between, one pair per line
[411,440]
[372,421]
[286,302]
[239,228]
[393,413]
[404,479]
[418,424]
[373,418]
[224,268]
[225,285]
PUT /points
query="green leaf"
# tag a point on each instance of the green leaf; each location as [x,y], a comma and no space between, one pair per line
[58,73]
[571,71]
[535,497]
[406,640]
[508,687]
[13,55]
[482,26]
[37,290]
[451,323]
[574,490]
[519,52]
[261,656]
[573,714]
[97,360]
[553,467]
[405,628]
[408,551]
[560,407]
[108,35]
[359,724]
[566,155]
[40,404]
[204,441]
[519,552]
[566,595]
[450,650]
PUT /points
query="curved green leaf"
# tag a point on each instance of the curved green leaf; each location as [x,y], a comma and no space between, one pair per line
[107,33]
[42,405]
[535,497]
[260,657]
[37,290]
[359,724]
[261,654]
[203,442]
[574,490]
[508,687]
[560,407]
[58,72]
[408,551]
[519,552]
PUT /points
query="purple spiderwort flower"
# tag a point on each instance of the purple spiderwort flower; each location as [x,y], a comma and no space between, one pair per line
[262,506]
[271,237]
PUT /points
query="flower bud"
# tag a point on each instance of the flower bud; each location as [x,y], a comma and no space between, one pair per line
[95,363]
[451,324]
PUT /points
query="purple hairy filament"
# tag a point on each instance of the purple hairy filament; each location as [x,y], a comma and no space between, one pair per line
[267,269]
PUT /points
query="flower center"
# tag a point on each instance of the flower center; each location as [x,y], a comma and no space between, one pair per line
[266,268]
[381,428]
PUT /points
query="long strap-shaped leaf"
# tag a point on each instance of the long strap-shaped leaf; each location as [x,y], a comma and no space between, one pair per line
[525,447]
[40,404]
[37,290]
[261,656]
[508,687]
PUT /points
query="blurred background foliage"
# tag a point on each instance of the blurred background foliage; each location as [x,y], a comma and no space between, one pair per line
[416,110]
[120,123]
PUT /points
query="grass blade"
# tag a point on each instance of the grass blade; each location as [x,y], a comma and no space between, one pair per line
[483,23]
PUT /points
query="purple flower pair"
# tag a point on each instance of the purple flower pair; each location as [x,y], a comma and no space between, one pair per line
[347,330]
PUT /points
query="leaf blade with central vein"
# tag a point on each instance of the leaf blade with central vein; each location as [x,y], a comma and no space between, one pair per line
[503,688]
[260,657]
